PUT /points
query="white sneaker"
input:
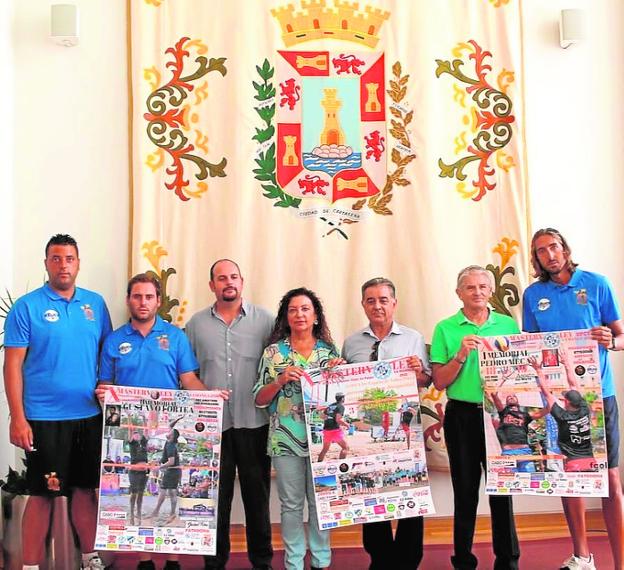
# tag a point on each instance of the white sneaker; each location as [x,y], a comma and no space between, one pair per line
[576,563]
[94,563]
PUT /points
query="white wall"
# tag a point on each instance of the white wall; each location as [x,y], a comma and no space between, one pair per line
[71,145]
[575,135]
[67,163]
[64,142]
[6,199]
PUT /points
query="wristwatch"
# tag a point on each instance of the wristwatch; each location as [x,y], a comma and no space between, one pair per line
[612,347]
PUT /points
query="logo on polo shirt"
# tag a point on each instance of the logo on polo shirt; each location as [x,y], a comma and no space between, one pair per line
[543,304]
[163,342]
[581,296]
[51,316]
[88,312]
[125,348]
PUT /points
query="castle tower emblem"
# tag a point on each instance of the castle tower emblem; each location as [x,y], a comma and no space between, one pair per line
[328,117]
[332,132]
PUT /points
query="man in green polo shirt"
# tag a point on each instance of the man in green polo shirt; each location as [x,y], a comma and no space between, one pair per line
[455,367]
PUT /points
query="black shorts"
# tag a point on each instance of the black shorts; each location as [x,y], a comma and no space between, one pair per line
[67,455]
[171,479]
[612,430]
[138,481]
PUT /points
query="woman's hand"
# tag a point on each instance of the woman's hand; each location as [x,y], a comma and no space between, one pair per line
[335,362]
[290,374]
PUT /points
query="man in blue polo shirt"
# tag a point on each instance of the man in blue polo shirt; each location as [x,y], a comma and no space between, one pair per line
[52,340]
[148,352]
[566,298]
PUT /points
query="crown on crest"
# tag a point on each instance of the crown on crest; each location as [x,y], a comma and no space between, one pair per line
[342,20]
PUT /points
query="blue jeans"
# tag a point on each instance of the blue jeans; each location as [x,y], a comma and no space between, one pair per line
[294,484]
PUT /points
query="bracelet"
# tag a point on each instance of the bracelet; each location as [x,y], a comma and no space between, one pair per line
[457,359]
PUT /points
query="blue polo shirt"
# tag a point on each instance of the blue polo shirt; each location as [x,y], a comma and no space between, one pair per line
[586,301]
[63,338]
[155,361]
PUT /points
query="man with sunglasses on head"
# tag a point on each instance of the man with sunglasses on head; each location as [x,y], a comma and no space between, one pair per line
[381,339]
[565,298]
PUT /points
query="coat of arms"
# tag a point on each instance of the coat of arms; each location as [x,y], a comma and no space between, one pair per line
[324,146]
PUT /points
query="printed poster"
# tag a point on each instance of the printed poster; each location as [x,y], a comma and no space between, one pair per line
[544,418]
[160,471]
[366,443]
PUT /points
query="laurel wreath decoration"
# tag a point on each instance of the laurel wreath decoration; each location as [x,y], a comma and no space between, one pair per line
[399,123]
[266,163]
[265,173]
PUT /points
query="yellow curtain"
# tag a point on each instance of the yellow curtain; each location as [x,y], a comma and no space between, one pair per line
[322,143]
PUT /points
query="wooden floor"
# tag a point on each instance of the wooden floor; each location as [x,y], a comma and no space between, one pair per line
[439,530]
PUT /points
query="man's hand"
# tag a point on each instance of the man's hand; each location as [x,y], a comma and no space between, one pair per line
[534,363]
[100,391]
[602,335]
[423,379]
[21,434]
[468,343]
[537,366]
[223,393]
[415,364]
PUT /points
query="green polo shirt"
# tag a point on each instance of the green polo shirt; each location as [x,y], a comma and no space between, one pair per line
[447,338]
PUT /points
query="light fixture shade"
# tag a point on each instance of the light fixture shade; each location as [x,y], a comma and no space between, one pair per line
[64,24]
[571,27]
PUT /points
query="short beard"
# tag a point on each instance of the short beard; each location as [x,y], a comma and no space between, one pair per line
[229,299]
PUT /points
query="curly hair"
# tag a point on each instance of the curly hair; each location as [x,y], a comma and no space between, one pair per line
[281,329]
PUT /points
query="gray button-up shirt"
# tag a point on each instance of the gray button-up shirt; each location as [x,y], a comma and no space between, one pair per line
[228,358]
[402,341]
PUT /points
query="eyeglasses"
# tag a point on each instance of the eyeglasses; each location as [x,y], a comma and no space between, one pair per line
[374,355]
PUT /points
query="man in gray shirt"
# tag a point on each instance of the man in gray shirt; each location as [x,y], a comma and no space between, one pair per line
[228,339]
[384,338]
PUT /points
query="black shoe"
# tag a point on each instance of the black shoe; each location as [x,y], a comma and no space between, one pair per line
[146,565]
[172,565]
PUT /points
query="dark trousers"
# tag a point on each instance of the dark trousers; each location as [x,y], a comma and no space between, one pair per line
[403,552]
[465,441]
[245,450]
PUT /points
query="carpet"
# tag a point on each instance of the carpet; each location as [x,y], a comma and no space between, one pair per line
[535,555]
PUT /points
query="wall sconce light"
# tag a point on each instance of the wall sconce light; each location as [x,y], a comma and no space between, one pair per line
[64,24]
[571,27]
